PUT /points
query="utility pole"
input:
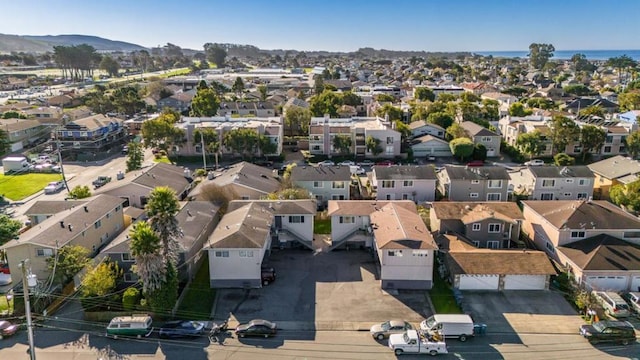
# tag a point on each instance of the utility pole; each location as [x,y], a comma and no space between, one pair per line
[204,153]
[27,306]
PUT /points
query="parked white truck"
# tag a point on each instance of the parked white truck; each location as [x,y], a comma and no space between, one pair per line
[15,164]
[450,325]
[414,342]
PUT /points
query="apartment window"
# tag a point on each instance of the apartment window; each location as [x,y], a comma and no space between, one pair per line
[631,235]
[347,219]
[476,226]
[315,138]
[567,194]
[389,150]
[406,197]
[388,184]
[546,196]
[338,185]
[337,197]
[494,228]
[493,197]
[224,253]
[395,253]
[609,139]
[296,219]
[582,196]
[486,139]
[315,148]
[577,149]
[476,243]
[198,149]
[246,253]
[475,182]
[495,184]
[44,252]
[569,181]
[389,140]
[550,247]
[577,234]
[493,244]
[317,184]
[607,149]
[583,182]
[130,277]
[548,183]
[245,197]
[473,195]
[97,224]
[420,253]
[407,183]
[126,257]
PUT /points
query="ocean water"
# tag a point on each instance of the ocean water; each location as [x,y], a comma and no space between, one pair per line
[567,54]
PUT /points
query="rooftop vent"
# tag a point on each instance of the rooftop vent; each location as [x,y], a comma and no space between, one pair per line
[86,208]
[70,227]
[62,224]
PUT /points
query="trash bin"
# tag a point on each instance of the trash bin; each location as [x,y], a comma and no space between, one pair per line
[480,329]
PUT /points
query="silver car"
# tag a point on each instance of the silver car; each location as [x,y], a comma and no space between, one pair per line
[382,331]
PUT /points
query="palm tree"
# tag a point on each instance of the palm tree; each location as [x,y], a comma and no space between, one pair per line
[214,147]
[150,265]
[162,209]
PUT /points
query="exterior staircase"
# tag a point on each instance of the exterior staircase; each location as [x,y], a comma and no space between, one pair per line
[288,234]
[355,234]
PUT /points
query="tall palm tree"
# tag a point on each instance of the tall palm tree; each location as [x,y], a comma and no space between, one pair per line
[146,249]
[162,209]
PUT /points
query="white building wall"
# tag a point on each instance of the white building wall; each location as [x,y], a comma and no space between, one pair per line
[234,266]
[338,230]
[407,266]
[304,230]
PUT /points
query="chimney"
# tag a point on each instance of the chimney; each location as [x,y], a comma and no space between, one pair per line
[62,224]
[86,209]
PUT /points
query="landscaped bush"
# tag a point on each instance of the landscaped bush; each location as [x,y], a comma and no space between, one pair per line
[130,299]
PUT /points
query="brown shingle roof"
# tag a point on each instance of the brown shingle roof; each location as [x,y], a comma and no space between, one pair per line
[507,262]
[50,207]
[243,228]
[603,252]
[362,207]
[576,214]
[397,227]
[474,211]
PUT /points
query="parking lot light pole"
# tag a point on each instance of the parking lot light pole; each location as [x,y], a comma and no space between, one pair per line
[27,306]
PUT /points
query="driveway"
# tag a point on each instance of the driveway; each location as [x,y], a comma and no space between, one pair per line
[523,312]
[338,290]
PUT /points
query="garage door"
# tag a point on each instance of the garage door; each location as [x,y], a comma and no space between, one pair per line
[491,152]
[635,283]
[525,282]
[479,282]
[614,283]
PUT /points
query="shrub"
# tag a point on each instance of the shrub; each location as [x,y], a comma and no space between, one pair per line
[130,299]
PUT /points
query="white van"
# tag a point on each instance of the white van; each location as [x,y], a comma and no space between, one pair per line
[450,325]
[136,325]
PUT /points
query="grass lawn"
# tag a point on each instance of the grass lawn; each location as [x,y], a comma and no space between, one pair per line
[198,300]
[18,187]
[442,297]
[163,159]
[322,226]
[4,304]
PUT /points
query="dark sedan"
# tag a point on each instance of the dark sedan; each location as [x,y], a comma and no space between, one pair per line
[7,328]
[181,328]
[257,327]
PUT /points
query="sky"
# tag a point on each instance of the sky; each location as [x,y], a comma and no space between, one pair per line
[338,25]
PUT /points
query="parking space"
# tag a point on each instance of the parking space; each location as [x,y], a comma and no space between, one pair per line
[338,290]
[523,312]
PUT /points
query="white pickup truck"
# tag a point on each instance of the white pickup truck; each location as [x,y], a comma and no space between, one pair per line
[414,342]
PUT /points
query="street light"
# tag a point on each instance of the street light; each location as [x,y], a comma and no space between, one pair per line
[28,281]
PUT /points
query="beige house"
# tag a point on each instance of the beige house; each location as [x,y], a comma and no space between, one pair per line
[92,226]
[243,180]
[484,136]
[613,171]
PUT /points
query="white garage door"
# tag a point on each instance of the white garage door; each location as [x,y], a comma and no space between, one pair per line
[525,282]
[613,283]
[491,152]
[635,283]
[479,282]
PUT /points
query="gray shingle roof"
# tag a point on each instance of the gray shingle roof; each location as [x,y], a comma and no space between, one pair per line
[320,173]
[603,252]
[615,167]
[164,175]
[245,227]
[252,176]
[476,173]
[419,172]
[279,207]
[576,214]
[578,171]
[476,130]
[50,207]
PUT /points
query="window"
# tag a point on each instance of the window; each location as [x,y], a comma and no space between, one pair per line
[550,247]
[493,197]
[389,140]
[388,184]
[245,197]
[567,194]
[569,181]
[406,197]
[582,196]
[130,277]
[486,139]
[118,208]
[631,235]
[607,149]
[316,148]
[577,234]
[338,185]
[108,215]
[296,219]
[495,184]
[420,253]
[583,182]
[44,252]
[407,183]
[548,183]
[473,195]
[577,149]
[347,219]
[97,224]
[476,243]
[198,148]
[246,253]
[389,150]
[222,253]
[476,226]
[395,253]
[317,184]
[126,257]
[337,197]
[494,228]
[493,244]
[609,139]
[546,196]
[475,182]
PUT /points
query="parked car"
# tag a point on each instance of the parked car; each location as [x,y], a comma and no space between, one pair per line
[633,298]
[53,187]
[326,163]
[134,325]
[384,163]
[125,149]
[101,181]
[267,275]
[256,327]
[382,331]
[366,163]
[5,279]
[475,163]
[431,158]
[613,304]
[360,171]
[609,331]
[535,162]
[7,328]
[347,163]
[4,268]
[181,328]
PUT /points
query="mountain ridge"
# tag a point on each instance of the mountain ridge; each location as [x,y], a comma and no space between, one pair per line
[43,43]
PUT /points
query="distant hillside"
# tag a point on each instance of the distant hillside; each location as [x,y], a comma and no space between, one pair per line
[39,44]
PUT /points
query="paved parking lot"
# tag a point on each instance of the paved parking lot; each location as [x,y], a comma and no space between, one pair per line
[338,290]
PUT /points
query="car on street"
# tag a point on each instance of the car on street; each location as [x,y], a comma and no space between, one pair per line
[612,303]
[535,162]
[347,163]
[181,328]
[101,181]
[621,332]
[366,163]
[4,268]
[475,163]
[267,275]
[382,331]
[7,328]
[5,279]
[633,298]
[384,163]
[326,163]
[360,171]
[257,327]
[53,187]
